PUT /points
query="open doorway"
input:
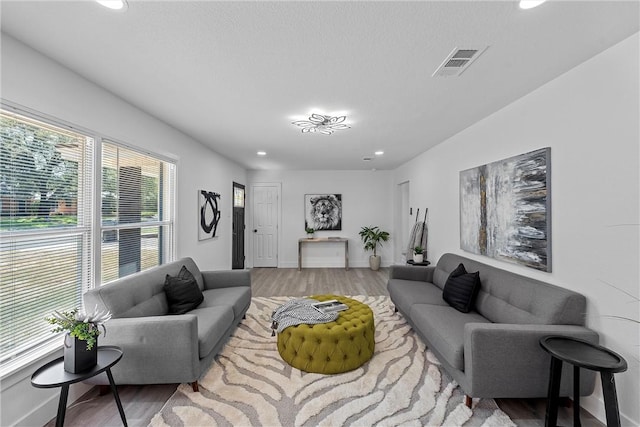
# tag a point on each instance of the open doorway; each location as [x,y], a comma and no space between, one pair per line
[403,222]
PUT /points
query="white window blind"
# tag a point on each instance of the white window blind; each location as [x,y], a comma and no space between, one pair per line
[137,205]
[45,228]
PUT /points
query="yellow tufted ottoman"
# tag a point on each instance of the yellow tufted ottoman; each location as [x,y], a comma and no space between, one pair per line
[331,348]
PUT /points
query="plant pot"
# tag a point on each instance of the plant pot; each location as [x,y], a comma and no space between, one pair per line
[418,257]
[374,262]
[309,235]
[76,356]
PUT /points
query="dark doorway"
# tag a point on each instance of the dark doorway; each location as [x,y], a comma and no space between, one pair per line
[237,256]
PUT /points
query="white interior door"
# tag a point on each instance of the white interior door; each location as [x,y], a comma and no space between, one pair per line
[265,225]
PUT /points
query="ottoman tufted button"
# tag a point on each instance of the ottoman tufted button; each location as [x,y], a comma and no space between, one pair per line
[342,345]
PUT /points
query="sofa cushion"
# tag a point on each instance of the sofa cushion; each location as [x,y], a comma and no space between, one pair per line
[405,293]
[506,297]
[238,298]
[183,293]
[461,289]
[139,294]
[213,322]
[443,328]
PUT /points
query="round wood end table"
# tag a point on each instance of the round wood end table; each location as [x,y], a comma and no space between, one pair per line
[53,375]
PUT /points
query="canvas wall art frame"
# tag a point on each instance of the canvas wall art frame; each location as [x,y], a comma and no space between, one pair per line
[323,211]
[505,209]
[208,214]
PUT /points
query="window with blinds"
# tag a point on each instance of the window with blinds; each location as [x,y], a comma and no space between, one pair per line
[45,228]
[137,205]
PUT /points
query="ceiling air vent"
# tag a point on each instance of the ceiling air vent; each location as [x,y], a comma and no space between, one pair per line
[458,61]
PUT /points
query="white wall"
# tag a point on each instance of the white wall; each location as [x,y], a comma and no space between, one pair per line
[590,119]
[366,197]
[34,81]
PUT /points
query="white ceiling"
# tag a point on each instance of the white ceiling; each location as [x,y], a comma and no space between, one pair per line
[234,75]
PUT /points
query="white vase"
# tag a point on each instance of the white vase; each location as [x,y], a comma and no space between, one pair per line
[374,262]
[418,258]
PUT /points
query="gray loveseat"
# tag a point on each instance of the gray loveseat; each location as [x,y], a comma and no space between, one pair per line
[162,348]
[492,351]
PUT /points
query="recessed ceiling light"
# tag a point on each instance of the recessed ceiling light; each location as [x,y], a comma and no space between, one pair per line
[261,153]
[114,4]
[379,153]
[530,4]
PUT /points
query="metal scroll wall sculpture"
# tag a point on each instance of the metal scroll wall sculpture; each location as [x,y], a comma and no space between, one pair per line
[505,209]
[209,214]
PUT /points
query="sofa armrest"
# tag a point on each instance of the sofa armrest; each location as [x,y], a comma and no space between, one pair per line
[156,349]
[226,278]
[499,356]
[411,272]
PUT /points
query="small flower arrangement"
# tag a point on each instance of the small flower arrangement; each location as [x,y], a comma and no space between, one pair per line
[309,230]
[81,325]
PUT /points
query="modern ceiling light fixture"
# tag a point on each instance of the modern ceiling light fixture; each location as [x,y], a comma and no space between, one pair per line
[114,4]
[319,123]
[530,4]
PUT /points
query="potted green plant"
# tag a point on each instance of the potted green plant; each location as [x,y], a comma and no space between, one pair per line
[372,237]
[418,254]
[309,232]
[81,336]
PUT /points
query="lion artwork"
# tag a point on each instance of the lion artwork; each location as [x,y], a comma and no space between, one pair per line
[324,212]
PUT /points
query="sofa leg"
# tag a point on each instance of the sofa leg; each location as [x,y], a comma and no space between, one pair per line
[468,400]
[395,309]
[104,389]
[194,386]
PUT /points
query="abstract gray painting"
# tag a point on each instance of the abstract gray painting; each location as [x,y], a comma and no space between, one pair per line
[505,209]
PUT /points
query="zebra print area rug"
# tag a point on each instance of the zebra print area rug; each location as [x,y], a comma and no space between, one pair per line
[250,385]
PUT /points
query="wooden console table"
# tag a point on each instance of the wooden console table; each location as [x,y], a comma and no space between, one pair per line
[325,240]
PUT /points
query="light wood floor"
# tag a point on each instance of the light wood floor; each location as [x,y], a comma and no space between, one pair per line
[142,402]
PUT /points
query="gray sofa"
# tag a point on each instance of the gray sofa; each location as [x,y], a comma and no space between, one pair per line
[492,351]
[159,347]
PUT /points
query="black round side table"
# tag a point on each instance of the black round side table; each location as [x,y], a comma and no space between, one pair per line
[53,375]
[581,354]
[423,263]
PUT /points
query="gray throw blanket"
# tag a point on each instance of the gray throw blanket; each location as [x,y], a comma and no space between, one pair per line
[299,311]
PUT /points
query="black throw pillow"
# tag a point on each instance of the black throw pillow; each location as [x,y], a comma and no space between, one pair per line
[183,293]
[461,289]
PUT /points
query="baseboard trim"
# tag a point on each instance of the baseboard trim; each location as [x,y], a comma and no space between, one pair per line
[595,406]
[324,264]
